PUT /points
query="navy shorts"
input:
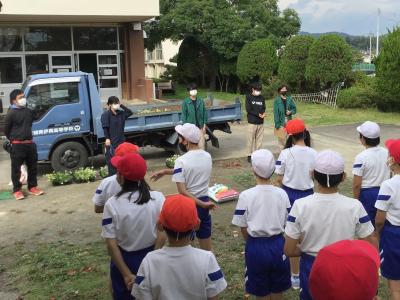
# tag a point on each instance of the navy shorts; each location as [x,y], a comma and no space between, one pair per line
[390,251]
[267,268]
[132,260]
[368,198]
[294,194]
[306,263]
[204,231]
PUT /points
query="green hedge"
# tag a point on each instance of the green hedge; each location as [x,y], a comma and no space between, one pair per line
[362,95]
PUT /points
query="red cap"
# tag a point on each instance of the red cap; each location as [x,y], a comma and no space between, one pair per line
[125,148]
[179,213]
[131,166]
[394,149]
[295,126]
[345,270]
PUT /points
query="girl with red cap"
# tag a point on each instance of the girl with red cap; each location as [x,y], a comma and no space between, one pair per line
[294,167]
[129,223]
[388,221]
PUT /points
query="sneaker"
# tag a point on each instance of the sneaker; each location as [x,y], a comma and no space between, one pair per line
[295,282]
[18,195]
[36,191]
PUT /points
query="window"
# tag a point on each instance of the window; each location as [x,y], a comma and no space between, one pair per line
[95,38]
[10,70]
[37,64]
[121,36]
[10,39]
[159,52]
[149,56]
[48,39]
[42,97]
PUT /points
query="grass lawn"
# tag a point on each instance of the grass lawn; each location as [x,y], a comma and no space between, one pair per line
[67,271]
[312,114]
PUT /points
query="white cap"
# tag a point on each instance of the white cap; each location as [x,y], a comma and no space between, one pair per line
[263,163]
[329,162]
[369,130]
[189,131]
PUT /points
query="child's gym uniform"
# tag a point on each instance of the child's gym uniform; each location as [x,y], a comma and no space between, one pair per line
[108,187]
[194,170]
[370,164]
[296,164]
[179,273]
[320,220]
[263,210]
[134,228]
[389,201]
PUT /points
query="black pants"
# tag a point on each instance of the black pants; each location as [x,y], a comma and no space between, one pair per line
[20,154]
[109,154]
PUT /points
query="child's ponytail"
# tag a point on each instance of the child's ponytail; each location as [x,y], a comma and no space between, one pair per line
[292,139]
[136,186]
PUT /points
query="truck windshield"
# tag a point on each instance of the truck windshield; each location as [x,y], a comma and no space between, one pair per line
[26,82]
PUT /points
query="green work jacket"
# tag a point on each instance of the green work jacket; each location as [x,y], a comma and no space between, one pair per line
[279,111]
[195,114]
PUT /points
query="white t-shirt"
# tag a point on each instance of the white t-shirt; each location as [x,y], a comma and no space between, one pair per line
[194,169]
[323,219]
[371,166]
[108,187]
[296,165]
[131,224]
[178,273]
[263,210]
[389,199]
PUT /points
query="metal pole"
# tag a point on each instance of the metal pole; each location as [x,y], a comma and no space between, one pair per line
[370,47]
[377,32]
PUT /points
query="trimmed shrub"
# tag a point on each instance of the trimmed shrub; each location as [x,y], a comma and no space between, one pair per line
[362,95]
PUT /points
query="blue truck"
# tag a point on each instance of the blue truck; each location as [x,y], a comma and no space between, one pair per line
[67,127]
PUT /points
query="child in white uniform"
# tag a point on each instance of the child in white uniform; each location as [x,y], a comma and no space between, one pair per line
[109,186]
[192,173]
[369,168]
[261,214]
[130,223]
[179,271]
[324,217]
[294,169]
[388,221]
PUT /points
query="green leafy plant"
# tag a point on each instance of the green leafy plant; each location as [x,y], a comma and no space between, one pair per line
[103,172]
[60,178]
[170,161]
[84,175]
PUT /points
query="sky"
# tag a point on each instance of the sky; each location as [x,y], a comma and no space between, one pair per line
[356,17]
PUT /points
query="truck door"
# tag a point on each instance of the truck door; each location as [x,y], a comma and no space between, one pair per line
[59,111]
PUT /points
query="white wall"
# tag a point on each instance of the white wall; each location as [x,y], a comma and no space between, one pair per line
[170,49]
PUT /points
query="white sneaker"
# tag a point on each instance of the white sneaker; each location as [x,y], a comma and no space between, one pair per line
[295,282]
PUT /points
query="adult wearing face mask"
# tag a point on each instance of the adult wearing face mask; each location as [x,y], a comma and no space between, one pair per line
[255,107]
[18,129]
[194,112]
[113,123]
[284,109]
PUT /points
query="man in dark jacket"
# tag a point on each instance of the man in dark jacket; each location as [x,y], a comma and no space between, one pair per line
[18,129]
[113,123]
[255,107]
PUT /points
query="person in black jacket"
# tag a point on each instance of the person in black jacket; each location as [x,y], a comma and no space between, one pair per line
[18,129]
[113,123]
[255,107]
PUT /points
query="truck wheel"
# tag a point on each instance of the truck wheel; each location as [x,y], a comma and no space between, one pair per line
[69,156]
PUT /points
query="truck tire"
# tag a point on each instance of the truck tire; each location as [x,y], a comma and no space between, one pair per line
[69,156]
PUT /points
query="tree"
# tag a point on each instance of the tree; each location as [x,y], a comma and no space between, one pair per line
[388,72]
[292,66]
[329,61]
[257,61]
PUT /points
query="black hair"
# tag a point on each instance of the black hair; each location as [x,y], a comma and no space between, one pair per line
[281,87]
[371,142]
[136,186]
[322,179]
[191,86]
[177,235]
[256,86]
[292,139]
[182,137]
[112,100]
[14,94]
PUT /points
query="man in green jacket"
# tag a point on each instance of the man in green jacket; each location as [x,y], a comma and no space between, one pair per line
[194,111]
[284,109]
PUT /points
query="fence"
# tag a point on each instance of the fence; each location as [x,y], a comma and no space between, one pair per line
[327,97]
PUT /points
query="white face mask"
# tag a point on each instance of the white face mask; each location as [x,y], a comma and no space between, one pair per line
[193,93]
[21,102]
[257,93]
[115,106]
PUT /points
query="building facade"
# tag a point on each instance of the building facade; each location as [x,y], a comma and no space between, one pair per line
[157,59]
[100,37]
